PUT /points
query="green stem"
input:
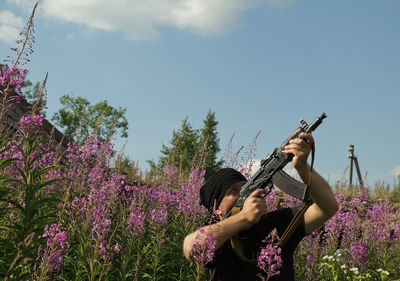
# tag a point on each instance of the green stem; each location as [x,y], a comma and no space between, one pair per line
[199,273]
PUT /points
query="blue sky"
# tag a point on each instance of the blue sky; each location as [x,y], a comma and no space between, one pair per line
[258,64]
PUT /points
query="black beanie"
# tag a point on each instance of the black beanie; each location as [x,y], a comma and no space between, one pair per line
[213,190]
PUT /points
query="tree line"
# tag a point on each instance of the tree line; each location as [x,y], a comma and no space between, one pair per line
[78,119]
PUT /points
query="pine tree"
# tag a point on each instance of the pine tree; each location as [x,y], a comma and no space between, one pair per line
[209,138]
[188,147]
[184,147]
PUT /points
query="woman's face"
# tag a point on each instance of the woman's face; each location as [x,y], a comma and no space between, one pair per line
[230,198]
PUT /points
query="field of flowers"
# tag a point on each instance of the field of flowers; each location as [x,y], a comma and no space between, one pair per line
[74,215]
[75,218]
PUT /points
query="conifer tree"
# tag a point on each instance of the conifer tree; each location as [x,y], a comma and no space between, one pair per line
[184,147]
[189,146]
[209,137]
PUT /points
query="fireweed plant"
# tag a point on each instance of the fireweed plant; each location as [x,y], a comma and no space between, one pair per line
[106,228]
[203,252]
[361,238]
[83,220]
[28,198]
[270,260]
[127,232]
[97,226]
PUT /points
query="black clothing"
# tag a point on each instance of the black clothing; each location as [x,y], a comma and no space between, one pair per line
[213,190]
[228,266]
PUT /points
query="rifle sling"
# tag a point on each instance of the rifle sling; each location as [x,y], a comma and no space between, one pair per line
[300,213]
[237,247]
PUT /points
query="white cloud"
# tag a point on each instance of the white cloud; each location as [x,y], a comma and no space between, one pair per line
[395,171]
[10,26]
[140,19]
[6,17]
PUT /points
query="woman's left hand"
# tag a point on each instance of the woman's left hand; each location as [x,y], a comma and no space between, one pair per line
[300,148]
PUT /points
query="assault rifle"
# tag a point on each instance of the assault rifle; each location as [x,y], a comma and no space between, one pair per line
[270,173]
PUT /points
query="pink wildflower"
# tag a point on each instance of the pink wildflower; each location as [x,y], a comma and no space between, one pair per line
[270,260]
[29,122]
[55,248]
[358,254]
[12,78]
[116,248]
[204,248]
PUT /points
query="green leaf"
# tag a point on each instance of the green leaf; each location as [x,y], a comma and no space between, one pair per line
[49,168]
[7,189]
[18,230]
[21,173]
[36,204]
[146,275]
[6,162]
[7,180]
[43,220]
[45,183]
[15,204]
[2,227]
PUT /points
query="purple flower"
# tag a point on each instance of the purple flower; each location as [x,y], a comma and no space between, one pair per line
[270,260]
[116,248]
[102,249]
[30,123]
[135,223]
[358,254]
[158,218]
[204,248]
[55,247]
[12,79]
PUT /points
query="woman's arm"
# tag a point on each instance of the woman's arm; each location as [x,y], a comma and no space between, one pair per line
[253,209]
[325,204]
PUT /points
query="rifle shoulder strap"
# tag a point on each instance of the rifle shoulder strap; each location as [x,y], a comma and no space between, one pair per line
[236,246]
[300,213]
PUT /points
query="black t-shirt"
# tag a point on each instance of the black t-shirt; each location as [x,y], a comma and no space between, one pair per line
[228,266]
